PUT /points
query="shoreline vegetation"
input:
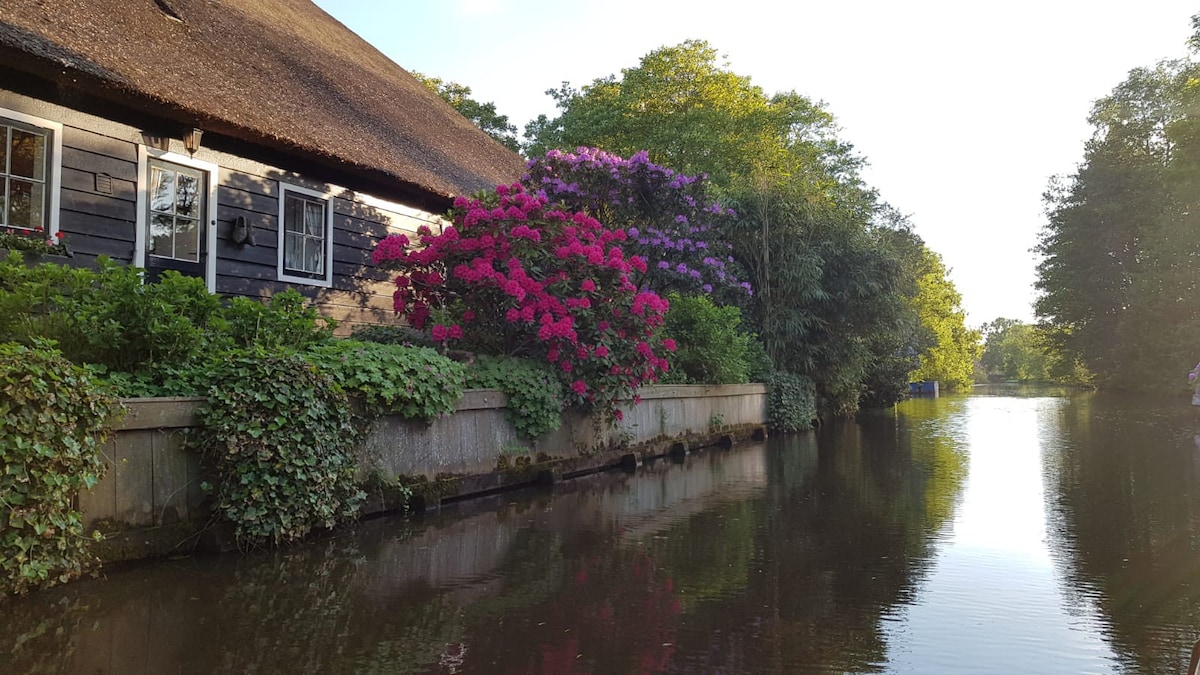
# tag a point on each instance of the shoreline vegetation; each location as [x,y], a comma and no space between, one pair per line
[752,252]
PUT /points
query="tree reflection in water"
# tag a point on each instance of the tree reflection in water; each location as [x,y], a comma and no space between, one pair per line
[804,553]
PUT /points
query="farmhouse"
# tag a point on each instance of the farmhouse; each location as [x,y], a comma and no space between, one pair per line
[259,144]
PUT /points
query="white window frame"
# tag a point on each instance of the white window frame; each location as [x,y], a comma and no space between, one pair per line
[209,215]
[54,170]
[325,196]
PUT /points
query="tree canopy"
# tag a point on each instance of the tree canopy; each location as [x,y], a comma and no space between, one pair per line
[695,115]
[483,115]
[1121,250]
[951,358]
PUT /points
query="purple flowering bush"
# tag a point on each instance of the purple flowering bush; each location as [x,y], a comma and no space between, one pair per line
[670,220]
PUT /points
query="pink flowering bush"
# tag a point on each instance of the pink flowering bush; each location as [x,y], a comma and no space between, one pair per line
[513,275]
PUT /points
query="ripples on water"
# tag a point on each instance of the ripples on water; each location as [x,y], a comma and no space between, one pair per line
[1011,533]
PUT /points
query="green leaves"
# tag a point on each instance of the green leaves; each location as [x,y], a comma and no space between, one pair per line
[416,382]
[712,347]
[282,438]
[482,115]
[791,402]
[54,418]
[684,105]
[536,397]
[951,358]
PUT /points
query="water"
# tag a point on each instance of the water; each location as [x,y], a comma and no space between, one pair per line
[1025,532]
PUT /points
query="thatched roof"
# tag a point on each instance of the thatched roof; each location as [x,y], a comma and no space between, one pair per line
[281,75]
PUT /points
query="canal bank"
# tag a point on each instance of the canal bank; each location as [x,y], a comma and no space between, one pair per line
[152,502]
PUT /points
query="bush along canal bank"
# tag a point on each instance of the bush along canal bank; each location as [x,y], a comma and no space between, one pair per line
[157,496]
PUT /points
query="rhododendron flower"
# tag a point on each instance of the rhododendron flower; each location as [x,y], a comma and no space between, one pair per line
[579,387]
[669,344]
[532,280]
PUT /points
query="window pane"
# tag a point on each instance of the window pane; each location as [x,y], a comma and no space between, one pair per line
[4,132]
[314,258]
[187,195]
[28,155]
[26,204]
[4,202]
[187,239]
[314,219]
[293,214]
[162,190]
[162,234]
[293,251]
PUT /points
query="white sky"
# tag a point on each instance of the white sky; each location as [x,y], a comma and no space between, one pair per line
[962,109]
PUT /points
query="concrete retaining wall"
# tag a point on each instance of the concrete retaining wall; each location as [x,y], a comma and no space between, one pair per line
[152,480]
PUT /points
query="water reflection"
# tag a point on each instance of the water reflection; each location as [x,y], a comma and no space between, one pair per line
[983,534]
[1124,522]
[993,590]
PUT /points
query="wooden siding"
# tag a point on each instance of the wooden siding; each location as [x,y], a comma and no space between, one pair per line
[98,224]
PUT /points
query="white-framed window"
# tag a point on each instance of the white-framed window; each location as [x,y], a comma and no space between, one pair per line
[305,235]
[30,172]
[177,201]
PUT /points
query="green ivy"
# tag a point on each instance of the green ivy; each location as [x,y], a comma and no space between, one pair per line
[792,401]
[281,437]
[414,382]
[536,397]
[54,417]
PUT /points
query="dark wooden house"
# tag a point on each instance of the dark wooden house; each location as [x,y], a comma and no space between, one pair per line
[259,144]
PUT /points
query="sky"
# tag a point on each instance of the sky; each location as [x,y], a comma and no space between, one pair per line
[962,110]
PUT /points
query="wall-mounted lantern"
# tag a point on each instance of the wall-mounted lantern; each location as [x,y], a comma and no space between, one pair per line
[191,140]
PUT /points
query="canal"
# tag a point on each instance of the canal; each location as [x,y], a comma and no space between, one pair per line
[1009,531]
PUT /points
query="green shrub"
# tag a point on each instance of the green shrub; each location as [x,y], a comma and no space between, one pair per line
[107,316]
[791,402]
[710,347]
[284,321]
[281,438]
[415,382]
[536,397]
[53,419]
[392,335]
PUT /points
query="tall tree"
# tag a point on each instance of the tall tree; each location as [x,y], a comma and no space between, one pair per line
[951,359]
[692,113]
[1118,250]
[483,115]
